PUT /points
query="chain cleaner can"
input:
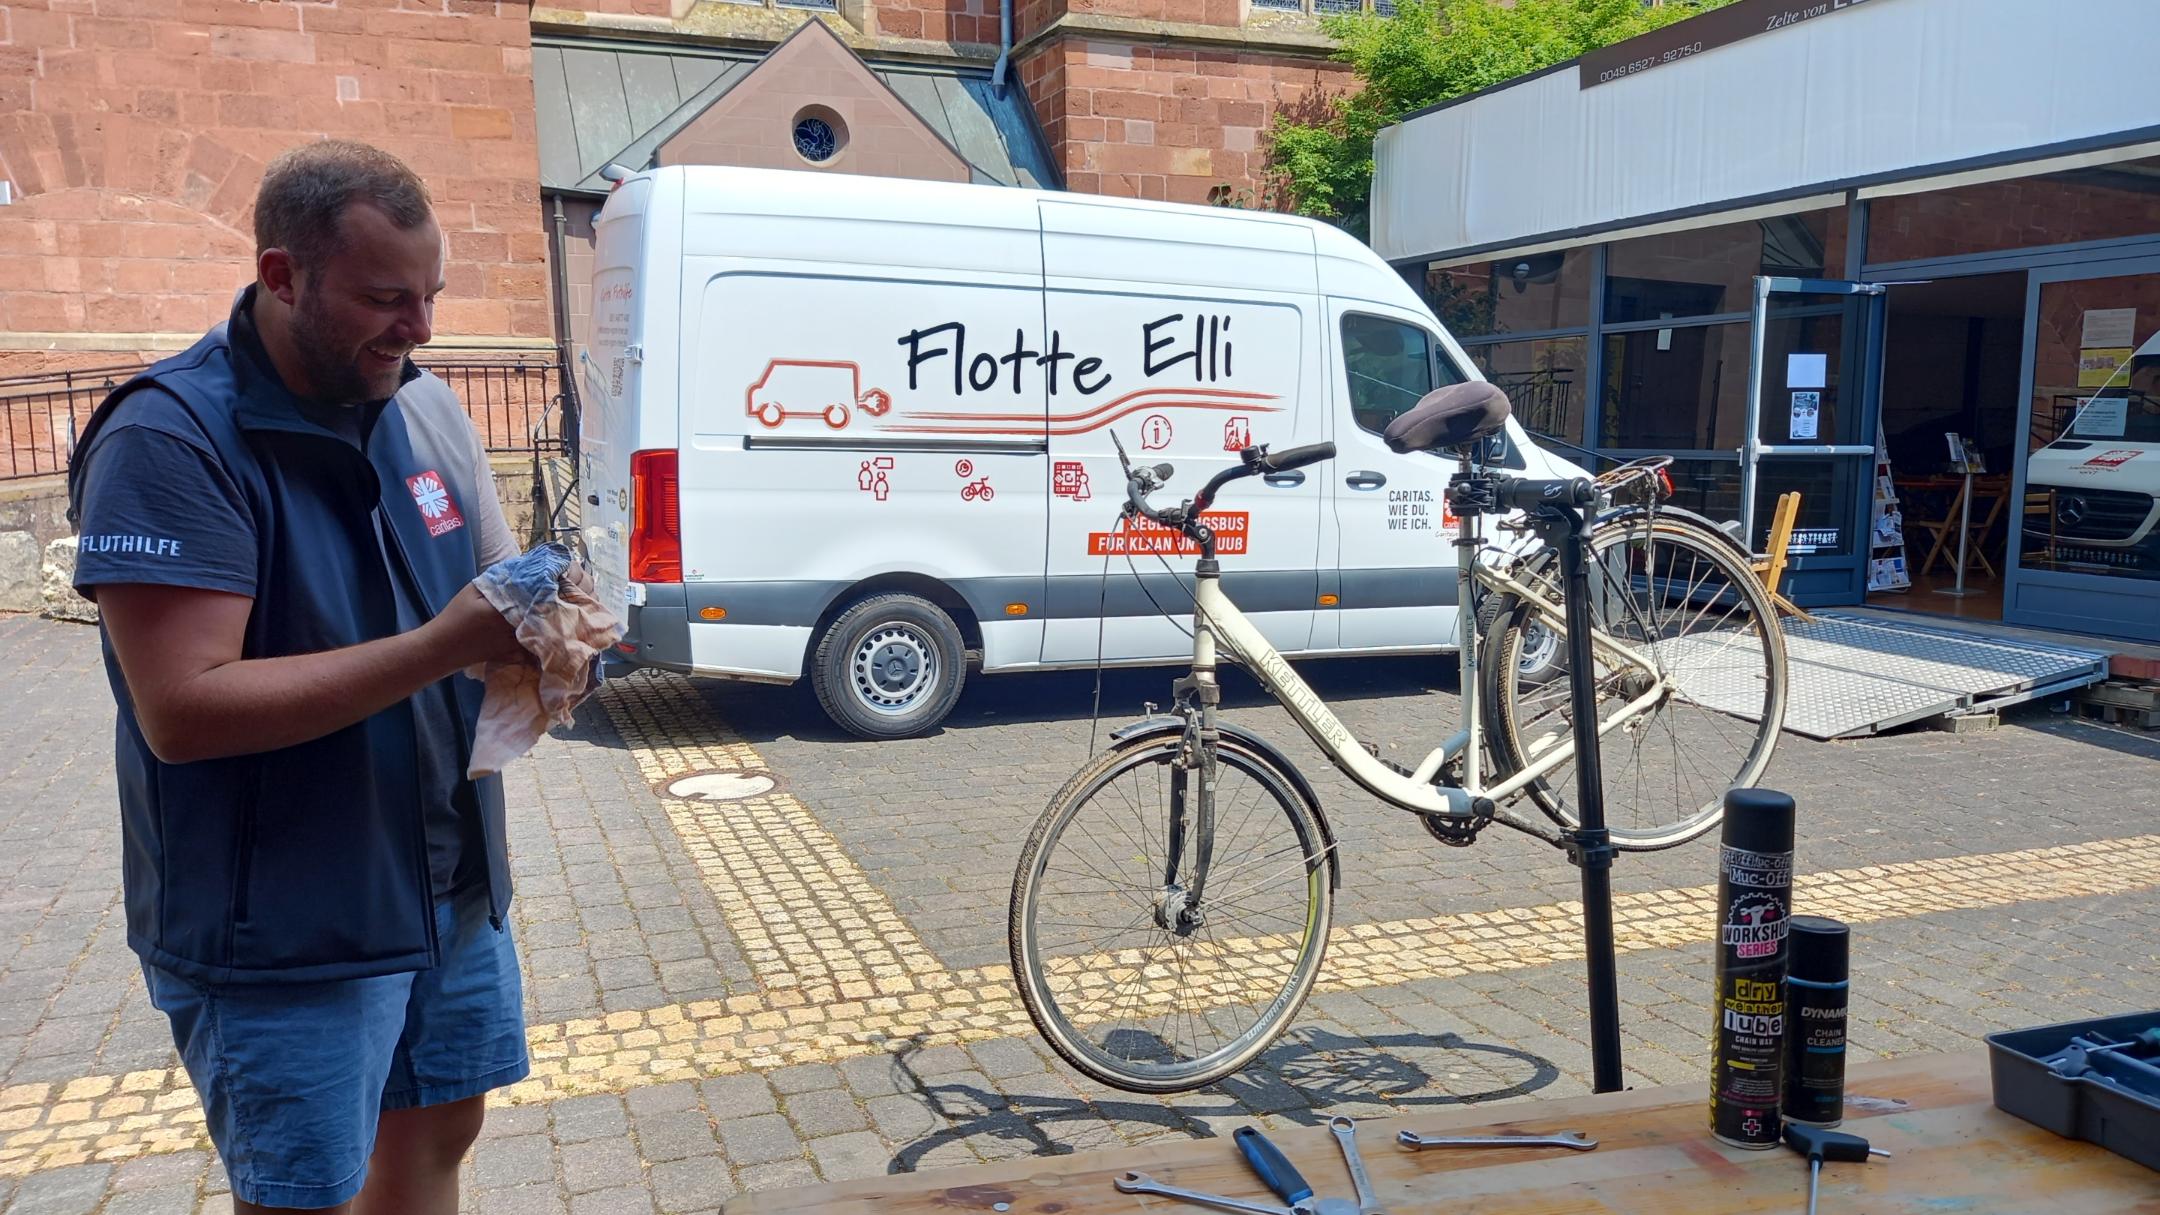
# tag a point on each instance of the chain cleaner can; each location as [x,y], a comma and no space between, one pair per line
[1754,902]
[1816,982]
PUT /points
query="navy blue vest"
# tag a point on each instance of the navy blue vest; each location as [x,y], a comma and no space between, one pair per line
[309,862]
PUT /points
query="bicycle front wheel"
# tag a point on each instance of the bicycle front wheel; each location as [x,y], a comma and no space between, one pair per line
[1685,603]
[1125,981]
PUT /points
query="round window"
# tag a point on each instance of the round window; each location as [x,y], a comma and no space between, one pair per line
[818,135]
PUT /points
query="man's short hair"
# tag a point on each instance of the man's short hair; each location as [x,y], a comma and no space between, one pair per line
[301,204]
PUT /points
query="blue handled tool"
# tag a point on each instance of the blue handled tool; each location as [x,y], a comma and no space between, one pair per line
[1275,1169]
[1282,1177]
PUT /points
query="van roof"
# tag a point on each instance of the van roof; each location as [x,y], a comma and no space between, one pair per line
[1347,267]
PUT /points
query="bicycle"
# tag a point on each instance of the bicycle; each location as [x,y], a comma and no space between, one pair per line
[1174,799]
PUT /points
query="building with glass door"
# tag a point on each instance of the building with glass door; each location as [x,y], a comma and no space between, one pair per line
[1899,256]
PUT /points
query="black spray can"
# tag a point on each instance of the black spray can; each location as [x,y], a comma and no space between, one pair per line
[1816,982]
[1754,902]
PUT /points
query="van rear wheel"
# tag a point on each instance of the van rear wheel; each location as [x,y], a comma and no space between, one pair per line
[889,666]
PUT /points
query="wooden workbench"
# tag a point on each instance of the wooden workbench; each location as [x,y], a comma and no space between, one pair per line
[1953,1152]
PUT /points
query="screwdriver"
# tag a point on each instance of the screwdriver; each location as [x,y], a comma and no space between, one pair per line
[1819,1145]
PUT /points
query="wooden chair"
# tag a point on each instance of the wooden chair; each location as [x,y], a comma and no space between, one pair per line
[1771,567]
[1945,530]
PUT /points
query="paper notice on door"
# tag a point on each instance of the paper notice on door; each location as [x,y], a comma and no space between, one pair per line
[1807,370]
[2110,327]
[2098,364]
[1806,415]
[2103,418]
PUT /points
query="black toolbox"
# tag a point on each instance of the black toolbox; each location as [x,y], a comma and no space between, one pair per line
[2123,1122]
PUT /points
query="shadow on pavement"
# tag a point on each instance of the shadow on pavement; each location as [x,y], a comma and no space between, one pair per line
[1302,1077]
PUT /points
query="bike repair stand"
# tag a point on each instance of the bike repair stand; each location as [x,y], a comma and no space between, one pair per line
[1589,845]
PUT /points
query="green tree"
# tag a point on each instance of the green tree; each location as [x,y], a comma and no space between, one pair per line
[1430,51]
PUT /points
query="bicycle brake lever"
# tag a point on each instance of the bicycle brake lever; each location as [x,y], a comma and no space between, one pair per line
[1124,461]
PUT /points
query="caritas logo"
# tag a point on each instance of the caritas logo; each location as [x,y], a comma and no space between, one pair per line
[433,498]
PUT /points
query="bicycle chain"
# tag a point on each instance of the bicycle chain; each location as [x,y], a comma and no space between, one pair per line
[1455,832]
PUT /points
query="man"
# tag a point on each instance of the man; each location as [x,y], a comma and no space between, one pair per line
[280,527]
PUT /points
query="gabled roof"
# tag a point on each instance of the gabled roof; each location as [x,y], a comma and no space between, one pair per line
[600,102]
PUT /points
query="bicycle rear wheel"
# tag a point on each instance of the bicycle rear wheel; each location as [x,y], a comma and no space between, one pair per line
[1690,604]
[1116,987]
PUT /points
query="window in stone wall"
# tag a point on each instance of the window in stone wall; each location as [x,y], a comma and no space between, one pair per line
[1323,8]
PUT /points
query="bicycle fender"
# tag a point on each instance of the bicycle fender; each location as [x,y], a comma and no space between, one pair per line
[1150,728]
[1702,521]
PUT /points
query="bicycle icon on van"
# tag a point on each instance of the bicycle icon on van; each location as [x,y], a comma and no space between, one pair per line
[977,491]
[813,388]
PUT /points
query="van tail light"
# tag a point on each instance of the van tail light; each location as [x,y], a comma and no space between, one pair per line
[656,518]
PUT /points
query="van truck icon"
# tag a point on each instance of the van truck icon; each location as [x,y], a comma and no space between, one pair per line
[813,388]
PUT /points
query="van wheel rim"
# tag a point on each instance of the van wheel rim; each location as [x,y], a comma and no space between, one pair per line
[1539,645]
[895,667]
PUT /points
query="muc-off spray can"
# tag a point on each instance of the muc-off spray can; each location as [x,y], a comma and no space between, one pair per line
[1754,905]
[1815,985]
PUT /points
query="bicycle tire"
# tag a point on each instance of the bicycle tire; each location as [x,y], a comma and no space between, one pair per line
[1715,556]
[1060,1026]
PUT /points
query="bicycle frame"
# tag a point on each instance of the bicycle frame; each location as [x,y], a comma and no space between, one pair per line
[1215,616]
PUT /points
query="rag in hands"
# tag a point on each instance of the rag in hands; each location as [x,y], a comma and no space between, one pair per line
[547,596]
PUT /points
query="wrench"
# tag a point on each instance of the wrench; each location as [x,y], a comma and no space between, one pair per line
[1346,1134]
[1566,1139]
[1141,1183]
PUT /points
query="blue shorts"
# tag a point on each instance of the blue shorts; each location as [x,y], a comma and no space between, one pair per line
[294,1076]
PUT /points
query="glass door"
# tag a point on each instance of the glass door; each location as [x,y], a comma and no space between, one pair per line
[2086,497]
[1811,429]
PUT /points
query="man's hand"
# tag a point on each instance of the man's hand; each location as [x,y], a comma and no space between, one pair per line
[196,698]
[470,631]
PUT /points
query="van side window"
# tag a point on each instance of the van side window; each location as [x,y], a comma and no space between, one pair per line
[1391,367]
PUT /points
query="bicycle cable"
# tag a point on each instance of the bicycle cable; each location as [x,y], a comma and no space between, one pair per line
[1102,601]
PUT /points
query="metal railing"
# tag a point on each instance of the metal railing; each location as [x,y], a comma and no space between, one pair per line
[39,415]
[512,397]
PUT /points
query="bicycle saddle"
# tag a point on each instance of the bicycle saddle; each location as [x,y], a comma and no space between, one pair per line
[1449,417]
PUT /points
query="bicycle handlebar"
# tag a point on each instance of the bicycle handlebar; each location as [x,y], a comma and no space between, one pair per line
[1297,457]
[1142,481]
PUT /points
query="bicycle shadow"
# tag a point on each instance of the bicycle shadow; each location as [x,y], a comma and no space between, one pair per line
[1322,1069]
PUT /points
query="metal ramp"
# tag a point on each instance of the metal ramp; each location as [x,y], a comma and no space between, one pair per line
[1854,676]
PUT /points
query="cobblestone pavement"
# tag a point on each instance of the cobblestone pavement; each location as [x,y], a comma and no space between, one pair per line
[759,953]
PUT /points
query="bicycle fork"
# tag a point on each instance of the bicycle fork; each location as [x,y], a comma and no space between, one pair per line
[1179,907]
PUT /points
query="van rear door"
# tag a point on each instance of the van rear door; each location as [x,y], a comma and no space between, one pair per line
[608,382]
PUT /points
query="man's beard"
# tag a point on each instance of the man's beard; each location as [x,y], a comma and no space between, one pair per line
[331,364]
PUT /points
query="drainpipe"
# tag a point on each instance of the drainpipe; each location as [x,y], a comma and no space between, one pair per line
[560,285]
[1004,59]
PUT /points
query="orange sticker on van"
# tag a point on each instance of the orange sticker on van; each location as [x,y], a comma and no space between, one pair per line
[1145,537]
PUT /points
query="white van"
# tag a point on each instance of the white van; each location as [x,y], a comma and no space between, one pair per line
[2101,479]
[858,430]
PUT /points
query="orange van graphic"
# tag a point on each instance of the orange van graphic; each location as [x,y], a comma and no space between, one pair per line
[813,388]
